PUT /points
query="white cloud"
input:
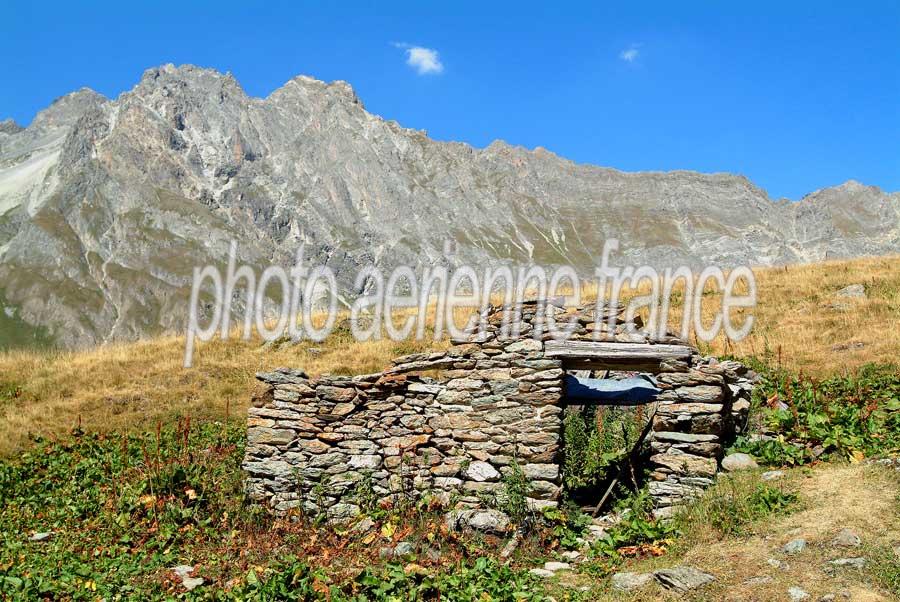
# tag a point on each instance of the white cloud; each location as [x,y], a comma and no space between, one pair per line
[425,61]
[630,54]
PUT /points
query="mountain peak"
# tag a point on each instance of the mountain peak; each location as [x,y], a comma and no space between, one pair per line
[66,110]
[9,126]
[308,84]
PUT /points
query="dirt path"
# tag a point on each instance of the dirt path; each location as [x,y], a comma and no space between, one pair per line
[862,498]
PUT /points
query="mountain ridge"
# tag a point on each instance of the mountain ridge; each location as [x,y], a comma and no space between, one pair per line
[107,205]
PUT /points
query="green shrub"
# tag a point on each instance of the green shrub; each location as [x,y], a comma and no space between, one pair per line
[595,439]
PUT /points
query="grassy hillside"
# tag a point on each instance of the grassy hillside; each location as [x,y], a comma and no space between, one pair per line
[134,386]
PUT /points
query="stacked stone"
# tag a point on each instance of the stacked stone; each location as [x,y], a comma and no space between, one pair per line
[697,412]
[534,319]
[311,442]
[321,444]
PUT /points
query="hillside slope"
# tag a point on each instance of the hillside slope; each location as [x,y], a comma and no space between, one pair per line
[134,385]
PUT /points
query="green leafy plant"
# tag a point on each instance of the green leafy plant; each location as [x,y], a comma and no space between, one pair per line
[567,523]
[596,438]
[773,452]
[848,416]
[636,526]
[483,579]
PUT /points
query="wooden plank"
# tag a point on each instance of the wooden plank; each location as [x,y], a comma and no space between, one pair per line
[617,353]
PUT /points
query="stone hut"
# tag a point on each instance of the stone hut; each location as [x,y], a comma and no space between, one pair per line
[451,423]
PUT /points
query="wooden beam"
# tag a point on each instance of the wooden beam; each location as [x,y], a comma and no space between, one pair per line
[590,352]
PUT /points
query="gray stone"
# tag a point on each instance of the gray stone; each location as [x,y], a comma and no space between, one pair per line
[854,291]
[364,526]
[482,471]
[44,536]
[525,345]
[683,437]
[365,461]
[489,521]
[184,571]
[846,538]
[772,475]
[856,562]
[683,578]
[795,546]
[630,581]
[572,555]
[404,548]
[554,566]
[797,594]
[542,573]
[736,462]
[342,511]
[546,472]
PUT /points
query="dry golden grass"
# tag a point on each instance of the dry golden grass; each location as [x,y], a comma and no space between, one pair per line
[860,497]
[136,385]
[795,325]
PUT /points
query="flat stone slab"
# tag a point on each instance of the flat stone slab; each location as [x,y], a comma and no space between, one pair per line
[683,578]
[630,581]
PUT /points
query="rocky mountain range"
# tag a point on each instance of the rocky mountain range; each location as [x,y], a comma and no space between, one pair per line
[106,206]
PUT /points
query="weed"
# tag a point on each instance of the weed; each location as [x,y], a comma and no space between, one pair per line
[733,505]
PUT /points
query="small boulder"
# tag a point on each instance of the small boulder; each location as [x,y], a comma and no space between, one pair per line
[855,563]
[488,521]
[363,526]
[854,291]
[542,573]
[343,512]
[795,546]
[683,578]
[846,538]
[797,594]
[404,548]
[772,475]
[572,556]
[736,462]
[556,566]
[630,581]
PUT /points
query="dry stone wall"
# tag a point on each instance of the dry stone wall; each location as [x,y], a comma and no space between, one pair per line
[322,444]
[697,414]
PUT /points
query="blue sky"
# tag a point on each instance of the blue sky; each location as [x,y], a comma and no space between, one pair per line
[796,98]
